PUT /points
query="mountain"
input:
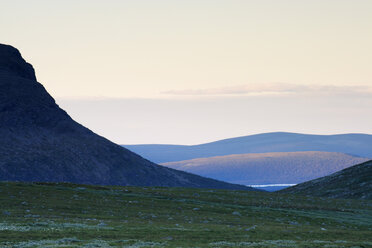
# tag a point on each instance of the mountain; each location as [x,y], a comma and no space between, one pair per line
[354,144]
[268,168]
[353,182]
[40,142]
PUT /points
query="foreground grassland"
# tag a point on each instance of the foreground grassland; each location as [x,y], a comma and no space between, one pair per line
[68,215]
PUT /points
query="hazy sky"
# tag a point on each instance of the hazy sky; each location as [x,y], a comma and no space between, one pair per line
[162,71]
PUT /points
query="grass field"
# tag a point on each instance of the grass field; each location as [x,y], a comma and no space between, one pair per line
[69,215]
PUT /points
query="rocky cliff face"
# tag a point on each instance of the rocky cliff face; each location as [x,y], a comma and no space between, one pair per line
[40,142]
[12,62]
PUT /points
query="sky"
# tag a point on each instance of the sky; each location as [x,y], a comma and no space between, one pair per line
[189,72]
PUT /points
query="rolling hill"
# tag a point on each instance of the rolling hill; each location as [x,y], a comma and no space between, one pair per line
[353,182]
[354,144]
[268,168]
[40,142]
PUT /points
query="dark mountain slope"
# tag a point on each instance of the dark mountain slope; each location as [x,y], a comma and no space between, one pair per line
[355,144]
[268,168]
[353,182]
[40,142]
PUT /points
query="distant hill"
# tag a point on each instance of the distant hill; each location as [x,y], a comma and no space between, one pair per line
[354,144]
[353,182]
[40,142]
[268,168]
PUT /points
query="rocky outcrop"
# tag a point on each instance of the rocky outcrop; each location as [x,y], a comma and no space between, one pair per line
[12,61]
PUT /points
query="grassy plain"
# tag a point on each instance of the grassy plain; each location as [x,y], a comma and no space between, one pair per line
[70,215]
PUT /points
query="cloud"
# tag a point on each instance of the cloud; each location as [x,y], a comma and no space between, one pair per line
[276,89]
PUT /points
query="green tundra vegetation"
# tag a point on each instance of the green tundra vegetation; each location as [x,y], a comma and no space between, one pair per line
[353,182]
[71,215]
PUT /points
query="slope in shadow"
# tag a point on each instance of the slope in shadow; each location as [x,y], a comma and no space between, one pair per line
[353,182]
[40,142]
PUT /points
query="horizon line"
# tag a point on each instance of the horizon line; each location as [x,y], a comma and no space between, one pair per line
[224,139]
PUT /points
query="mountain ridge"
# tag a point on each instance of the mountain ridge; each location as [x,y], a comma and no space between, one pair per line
[41,142]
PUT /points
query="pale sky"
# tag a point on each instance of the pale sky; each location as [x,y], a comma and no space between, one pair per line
[187,72]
